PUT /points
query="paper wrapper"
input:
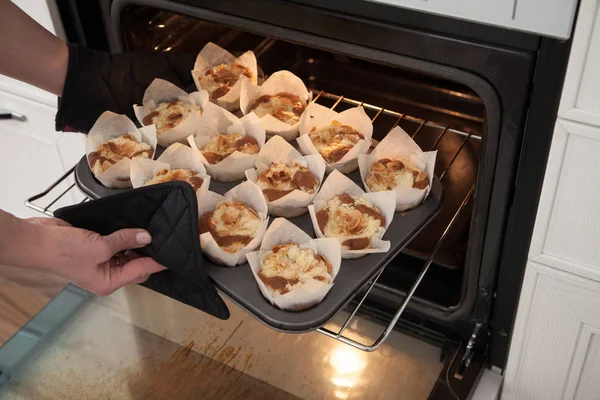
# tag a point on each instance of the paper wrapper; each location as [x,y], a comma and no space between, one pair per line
[176,156]
[277,150]
[111,126]
[161,91]
[310,293]
[212,55]
[217,120]
[252,196]
[281,81]
[316,116]
[398,145]
[338,183]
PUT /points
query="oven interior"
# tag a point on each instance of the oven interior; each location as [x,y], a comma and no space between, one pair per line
[440,115]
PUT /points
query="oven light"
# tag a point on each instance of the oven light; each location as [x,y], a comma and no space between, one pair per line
[156,47]
[168,48]
[346,361]
[343,381]
[161,26]
[341,394]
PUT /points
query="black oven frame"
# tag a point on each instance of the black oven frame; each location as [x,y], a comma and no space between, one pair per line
[526,72]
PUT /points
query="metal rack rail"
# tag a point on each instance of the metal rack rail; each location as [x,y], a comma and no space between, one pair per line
[339,333]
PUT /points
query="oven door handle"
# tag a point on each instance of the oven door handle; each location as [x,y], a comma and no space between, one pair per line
[390,327]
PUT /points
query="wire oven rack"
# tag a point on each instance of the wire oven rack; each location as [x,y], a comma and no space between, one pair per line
[327,330]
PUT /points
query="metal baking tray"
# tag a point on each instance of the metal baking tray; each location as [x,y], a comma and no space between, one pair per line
[239,285]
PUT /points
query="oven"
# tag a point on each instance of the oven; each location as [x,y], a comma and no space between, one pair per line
[484,97]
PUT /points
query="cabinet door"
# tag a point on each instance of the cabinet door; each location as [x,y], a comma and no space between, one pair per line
[33,154]
[555,352]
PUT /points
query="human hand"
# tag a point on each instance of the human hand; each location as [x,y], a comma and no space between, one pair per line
[91,261]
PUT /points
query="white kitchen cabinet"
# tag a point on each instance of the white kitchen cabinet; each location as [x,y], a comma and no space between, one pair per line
[555,353]
[34,155]
[555,348]
[545,17]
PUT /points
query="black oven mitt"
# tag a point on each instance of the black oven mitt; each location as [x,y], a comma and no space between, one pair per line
[169,212]
[98,81]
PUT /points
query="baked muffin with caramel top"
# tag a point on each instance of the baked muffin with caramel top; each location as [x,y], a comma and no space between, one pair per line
[286,107]
[113,151]
[223,145]
[334,141]
[280,179]
[288,266]
[219,80]
[232,224]
[353,220]
[185,175]
[386,174]
[170,114]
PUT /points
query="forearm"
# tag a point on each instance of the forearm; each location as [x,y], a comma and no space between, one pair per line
[29,52]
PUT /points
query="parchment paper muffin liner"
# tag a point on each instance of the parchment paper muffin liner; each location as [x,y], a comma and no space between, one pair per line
[280,81]
[310,293]
[110,126]
[398,145]
[251,195]
[316,116]
[277,150]
[217,120]
[337,184]
[212,55]
[161,91]
[176,156]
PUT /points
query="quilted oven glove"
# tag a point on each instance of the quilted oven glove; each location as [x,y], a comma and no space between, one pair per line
[169,212]
[98,81]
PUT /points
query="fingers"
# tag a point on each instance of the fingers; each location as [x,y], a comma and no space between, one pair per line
[135,271]
[126,239]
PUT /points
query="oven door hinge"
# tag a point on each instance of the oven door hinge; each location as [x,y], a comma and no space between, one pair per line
[469,351]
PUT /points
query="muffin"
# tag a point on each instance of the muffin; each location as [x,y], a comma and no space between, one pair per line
[280,179]
[334,141]
[115,150]
[353,220]
[232,225]
[289,266]
[386,174]
[168,115]
[185,175]
[283,106]
[223,145]
[219,79]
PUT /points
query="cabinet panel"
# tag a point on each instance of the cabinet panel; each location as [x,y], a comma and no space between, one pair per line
[574,224]
[581,92]
[555,353]
[587,385]
[546,17]
[589,94]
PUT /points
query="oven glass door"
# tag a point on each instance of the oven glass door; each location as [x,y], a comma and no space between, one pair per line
[137,344]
